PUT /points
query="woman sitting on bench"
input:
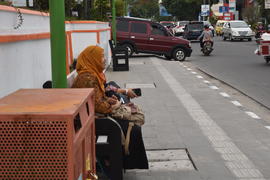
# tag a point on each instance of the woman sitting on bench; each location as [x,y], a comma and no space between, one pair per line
[90,66]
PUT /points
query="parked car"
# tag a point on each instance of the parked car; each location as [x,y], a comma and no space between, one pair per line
[219,27]
[210,26]
[193,30]
[170,25]
[145,36]
[233,30]
[167,23]
[179,29]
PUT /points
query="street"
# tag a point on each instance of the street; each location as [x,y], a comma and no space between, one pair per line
[198,117]
[236,64]
[211,133]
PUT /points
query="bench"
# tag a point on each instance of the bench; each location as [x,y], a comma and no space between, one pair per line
[120,57]
[109,144]
[108,140]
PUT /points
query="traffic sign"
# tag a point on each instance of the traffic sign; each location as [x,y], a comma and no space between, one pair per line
[267,4]
[205,8]
[205,13]
[223,9]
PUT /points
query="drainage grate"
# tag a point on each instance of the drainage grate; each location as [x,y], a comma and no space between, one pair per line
[135,85]
[170,160]
[136,63]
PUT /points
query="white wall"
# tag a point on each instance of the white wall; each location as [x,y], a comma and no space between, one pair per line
[23,64]
[37,23]
[81,39]
[27,63]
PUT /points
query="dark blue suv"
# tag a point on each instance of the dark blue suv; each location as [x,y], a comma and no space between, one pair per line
[193,30]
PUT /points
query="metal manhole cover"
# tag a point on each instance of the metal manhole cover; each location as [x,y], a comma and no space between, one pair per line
[136,85]
[169,160]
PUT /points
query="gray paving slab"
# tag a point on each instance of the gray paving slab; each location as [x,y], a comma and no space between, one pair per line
[170,175]
[221,134]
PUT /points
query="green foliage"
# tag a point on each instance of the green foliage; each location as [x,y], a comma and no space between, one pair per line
[265,13]
[213,19]
[119,5]
[183,9]
[102,7]
[100,10]
[6,3]
[43,5]
[144,8]
[251,16]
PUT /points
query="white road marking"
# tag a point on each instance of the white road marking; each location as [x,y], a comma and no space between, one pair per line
[214,87]
[224,94]
[189,69]
[236,103]
[252,114]
[268,127]
[199,77]
[207,82]
[218,138]
[193,72]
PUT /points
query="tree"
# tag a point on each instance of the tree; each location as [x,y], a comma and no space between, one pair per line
[43,5]
[144,8]
[251,16]
[119,5]
[264,12]
[183,9]
[100,10]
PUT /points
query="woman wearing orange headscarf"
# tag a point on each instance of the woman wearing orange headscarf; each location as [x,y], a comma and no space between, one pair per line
[90,68]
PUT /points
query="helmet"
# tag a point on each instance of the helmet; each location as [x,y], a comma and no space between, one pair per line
[206,26]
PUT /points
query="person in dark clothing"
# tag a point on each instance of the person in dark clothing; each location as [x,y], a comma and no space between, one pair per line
[47,84]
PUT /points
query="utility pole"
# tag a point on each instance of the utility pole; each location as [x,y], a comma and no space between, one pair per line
[126,7]
[58,43]
[209,3]
[113,21]
[86,6]
[204,4]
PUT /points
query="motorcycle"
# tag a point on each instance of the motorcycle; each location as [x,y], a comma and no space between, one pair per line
[264,47]
[207,48]
[258,35]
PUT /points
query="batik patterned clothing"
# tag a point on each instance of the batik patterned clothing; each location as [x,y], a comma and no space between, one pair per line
[87,80]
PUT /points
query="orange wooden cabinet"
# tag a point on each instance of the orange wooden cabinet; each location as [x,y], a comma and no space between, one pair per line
[47,134]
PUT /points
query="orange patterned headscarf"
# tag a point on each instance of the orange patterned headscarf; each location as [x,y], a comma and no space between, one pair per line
[90,60]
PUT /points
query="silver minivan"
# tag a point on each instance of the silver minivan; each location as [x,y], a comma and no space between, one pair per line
[240,30]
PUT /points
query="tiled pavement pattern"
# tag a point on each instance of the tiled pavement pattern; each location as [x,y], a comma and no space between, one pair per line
[184,111]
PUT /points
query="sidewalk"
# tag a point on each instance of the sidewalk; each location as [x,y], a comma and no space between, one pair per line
[193,131]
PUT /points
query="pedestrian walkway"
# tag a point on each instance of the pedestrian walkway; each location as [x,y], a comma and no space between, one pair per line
[194,130]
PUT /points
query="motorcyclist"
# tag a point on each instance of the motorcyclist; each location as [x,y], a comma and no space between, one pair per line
[206,35]
[259,30]
[260,26]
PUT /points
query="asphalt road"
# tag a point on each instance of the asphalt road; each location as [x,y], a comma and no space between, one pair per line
[236,64]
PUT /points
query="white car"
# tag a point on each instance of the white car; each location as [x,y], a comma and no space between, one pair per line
[233,30]
[179,28]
